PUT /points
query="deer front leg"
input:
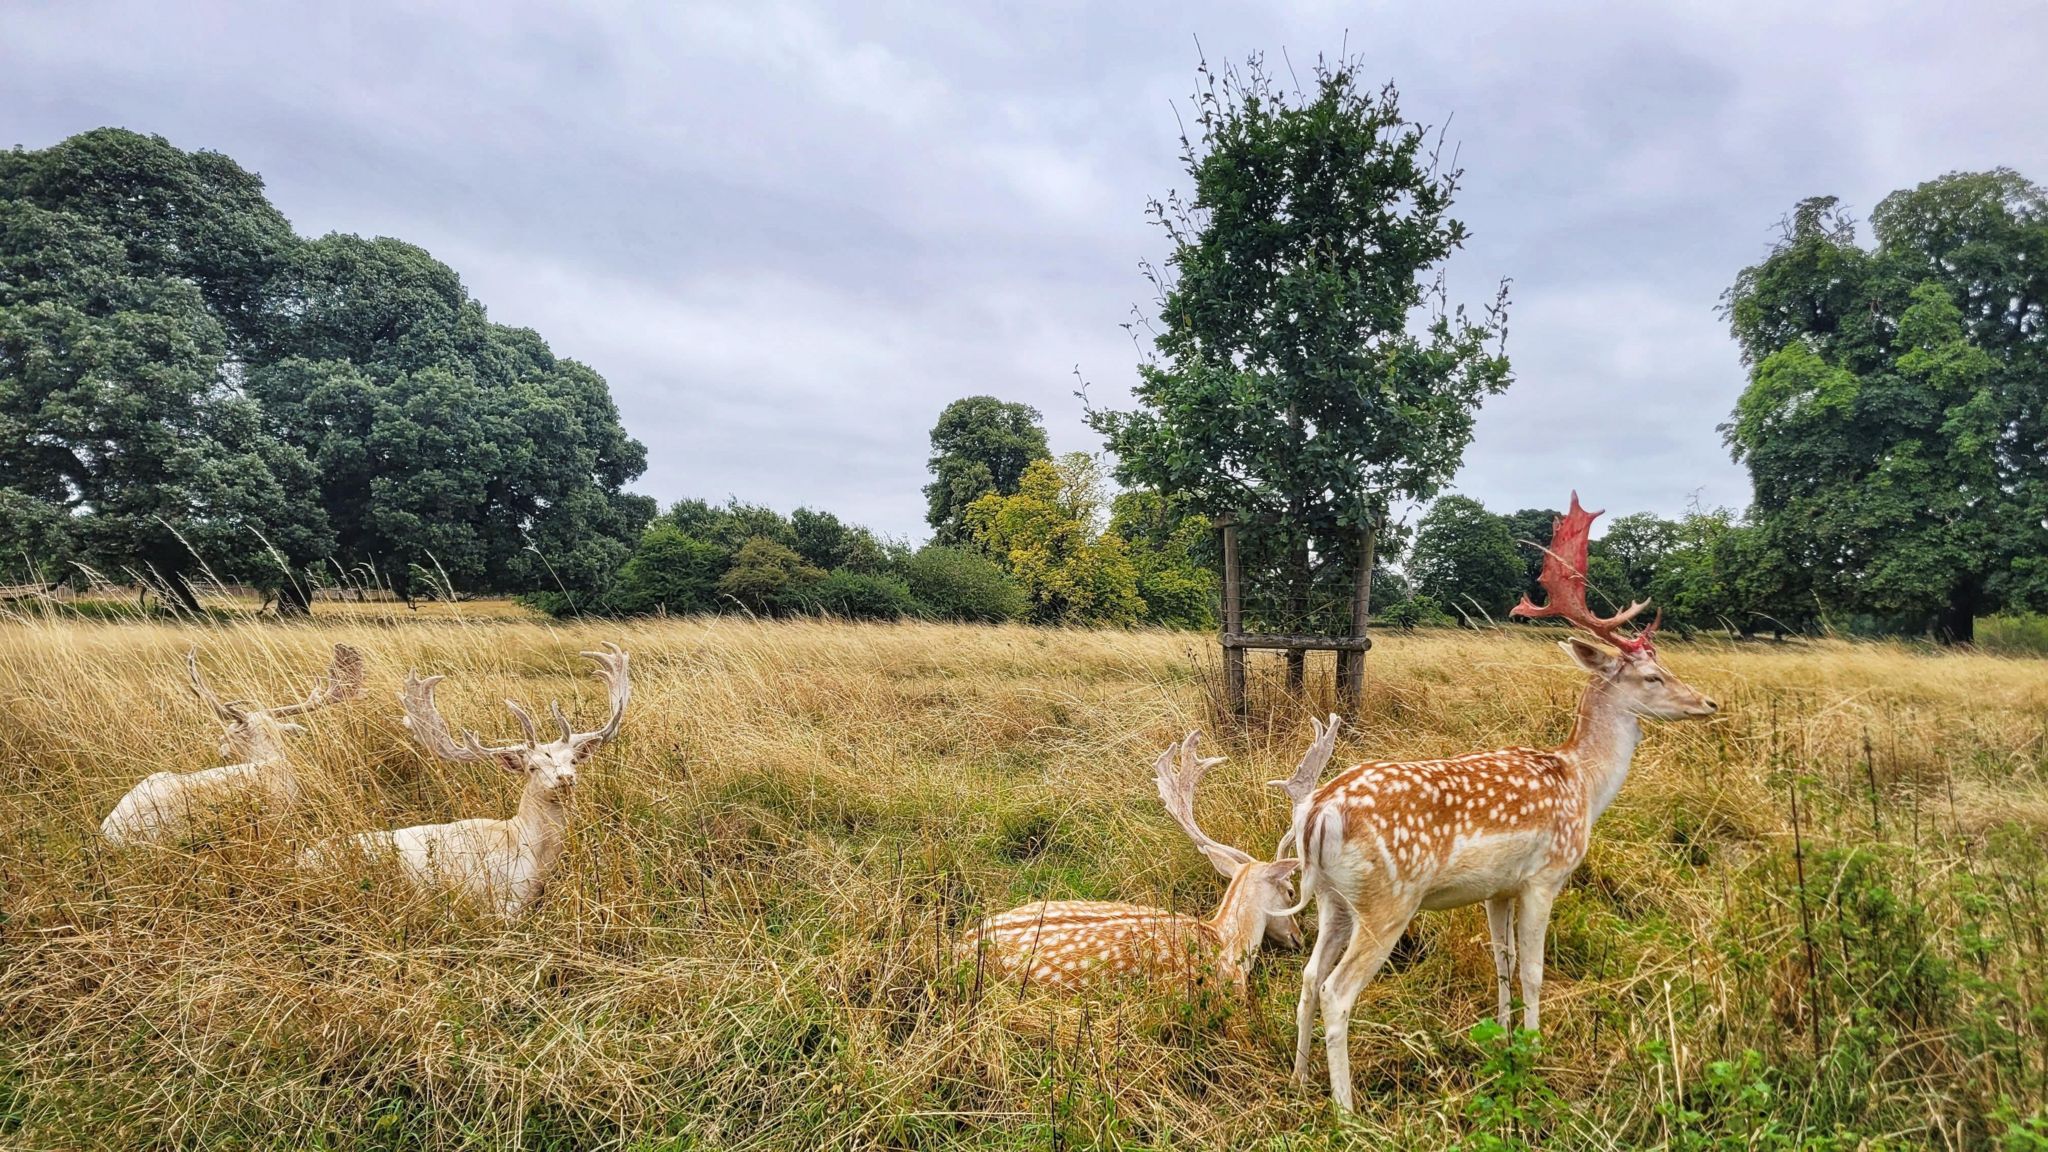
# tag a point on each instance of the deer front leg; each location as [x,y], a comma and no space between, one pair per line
[1532,922]
[1333,934]
[1500,931]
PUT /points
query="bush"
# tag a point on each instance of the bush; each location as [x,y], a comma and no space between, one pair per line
[856,596]
[1415,610]
[2014,634]
[953,584]
[766,576]
[668,572]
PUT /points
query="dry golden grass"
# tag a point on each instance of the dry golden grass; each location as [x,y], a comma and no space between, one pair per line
[751,941]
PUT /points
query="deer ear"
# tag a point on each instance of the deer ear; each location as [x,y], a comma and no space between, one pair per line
[1591,657]
[1280,870]
[513,760]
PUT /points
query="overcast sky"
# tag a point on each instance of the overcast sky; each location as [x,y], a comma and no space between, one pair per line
[789,233]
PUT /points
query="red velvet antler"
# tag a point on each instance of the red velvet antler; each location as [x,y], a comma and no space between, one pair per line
[1564,585]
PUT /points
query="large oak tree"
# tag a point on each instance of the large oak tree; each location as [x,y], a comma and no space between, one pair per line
[1896,421]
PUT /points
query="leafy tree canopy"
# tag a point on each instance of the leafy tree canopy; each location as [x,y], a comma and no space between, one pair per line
[1306,368]
[1895,426]
[1465,560]
[122,444]
[980,445]
[197,382]
[1170,548]
[766,577]
[1048,536]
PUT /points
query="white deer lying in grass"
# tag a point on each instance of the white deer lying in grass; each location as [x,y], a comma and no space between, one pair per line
[1072,944]
[166,806]
[502,865]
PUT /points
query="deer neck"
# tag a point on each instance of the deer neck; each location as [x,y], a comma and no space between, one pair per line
[1239,923]
[541,823]
[1602,743]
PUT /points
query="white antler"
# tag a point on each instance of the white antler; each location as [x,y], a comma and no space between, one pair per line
[423,717]
[1180,772]
[229,711]
[611,668]
[1301,787]
[1302,784]
[343,681]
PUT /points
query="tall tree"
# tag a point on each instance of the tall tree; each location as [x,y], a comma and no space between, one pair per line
[1306,368]
[282,402]
[980,445]
[1530,528]
[446,444]
[1636,545]
[192,216]
[1169,547]
[1465,560]
[1895,426]
[123,444]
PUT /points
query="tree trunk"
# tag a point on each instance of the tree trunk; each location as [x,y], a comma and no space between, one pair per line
[182,592]
[1297,572]
[1957,623]
[293,599]
[1297,602]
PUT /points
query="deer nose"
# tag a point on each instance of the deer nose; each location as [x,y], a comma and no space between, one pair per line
[1711,706]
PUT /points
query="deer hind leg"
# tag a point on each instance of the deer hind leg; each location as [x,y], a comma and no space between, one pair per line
[1374,932]
[1532,922]
[1500,931]
[1333,936]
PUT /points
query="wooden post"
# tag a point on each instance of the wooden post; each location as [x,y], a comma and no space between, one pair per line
[1351,664]
[1233,621]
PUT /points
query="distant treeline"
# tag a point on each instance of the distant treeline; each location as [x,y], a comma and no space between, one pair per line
[1019,535]
[189,389]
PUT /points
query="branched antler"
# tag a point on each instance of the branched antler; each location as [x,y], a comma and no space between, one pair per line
[228,711]
[1302,784]
[1564,585]
[423,717]
[1180,771]
[611,668]
[343,681]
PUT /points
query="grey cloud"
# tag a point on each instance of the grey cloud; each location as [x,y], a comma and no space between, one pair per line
[788,233]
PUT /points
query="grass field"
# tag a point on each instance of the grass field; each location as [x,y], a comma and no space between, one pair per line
[751,941]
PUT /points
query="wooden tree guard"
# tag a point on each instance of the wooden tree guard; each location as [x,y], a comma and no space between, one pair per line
[1350,649]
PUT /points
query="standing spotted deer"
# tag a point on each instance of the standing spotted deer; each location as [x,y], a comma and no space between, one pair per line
[1075,944]
[502,865]
[1382,840]
[166,806]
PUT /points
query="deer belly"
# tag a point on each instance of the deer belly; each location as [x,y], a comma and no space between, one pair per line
[1482,867]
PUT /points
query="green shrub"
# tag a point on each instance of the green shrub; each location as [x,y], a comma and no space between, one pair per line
[855,596]
[766,576]
[954,584]
[669,572]
[1418,609]
[2018,634]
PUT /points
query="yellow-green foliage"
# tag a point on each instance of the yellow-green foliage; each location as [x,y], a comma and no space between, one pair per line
[750,942]
[1047,536]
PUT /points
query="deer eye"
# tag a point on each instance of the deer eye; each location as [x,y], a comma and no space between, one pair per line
[1653,678]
